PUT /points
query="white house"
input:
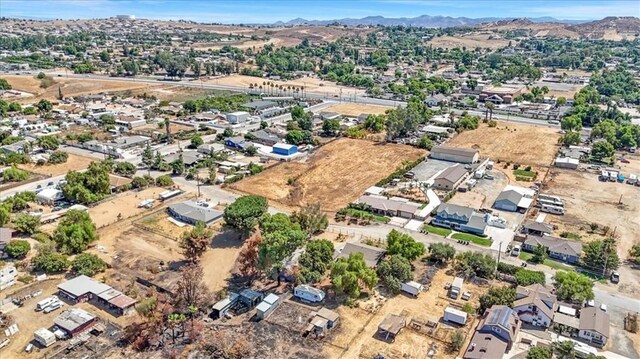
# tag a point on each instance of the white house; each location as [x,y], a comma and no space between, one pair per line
[594,326]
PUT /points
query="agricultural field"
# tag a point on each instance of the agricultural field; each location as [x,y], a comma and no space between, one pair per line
[515,143]
[74,163]
[355,109]
[334,175]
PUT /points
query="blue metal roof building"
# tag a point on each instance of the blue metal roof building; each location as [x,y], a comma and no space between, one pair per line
[284,149]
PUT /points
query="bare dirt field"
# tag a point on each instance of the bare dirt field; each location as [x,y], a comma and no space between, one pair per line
[515,143]
[308,83]
[469,41]
[356,109]
[218,262]
[125,204]
[72,86]
[587,200]
[409,343]
[334,175]
[74,163]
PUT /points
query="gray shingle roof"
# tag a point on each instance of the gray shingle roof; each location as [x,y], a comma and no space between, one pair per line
[190,209]
[455,209]
[538,226]
[372,255]
[595,319]
[452,174]
[510,196]
[555,244]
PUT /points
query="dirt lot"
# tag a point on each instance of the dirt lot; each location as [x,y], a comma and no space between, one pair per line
[588,200]
[309,84]
[409,343]
[74,163]
[355,109]
[333,175]
[469,41]
[527,145]
[125,204]
[71,86]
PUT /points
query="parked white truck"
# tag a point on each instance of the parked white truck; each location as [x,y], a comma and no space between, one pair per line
[456,288]
[454,315]
[413,288]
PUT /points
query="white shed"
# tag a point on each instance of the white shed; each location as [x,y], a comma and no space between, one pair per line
[455,316]
[49,196]
[44,337]
[267,306]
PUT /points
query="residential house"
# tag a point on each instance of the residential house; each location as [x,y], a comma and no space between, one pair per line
[8,276]
[535,305]
[237,143]
[192,213]
[81,289]
[594,326]
[209,148]
[435,100]
[264,137]
[500,94]
[436,130]
[450,178]
[453,154]
[460,218]
[130,122]
[392,207]
[372,255]
[257,106]
[514,199]
[495,334]
[119,183]
[329,115]
[558,248]
[567,162]
[237,117]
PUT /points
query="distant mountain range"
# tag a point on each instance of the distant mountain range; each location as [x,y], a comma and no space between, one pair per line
[420,21]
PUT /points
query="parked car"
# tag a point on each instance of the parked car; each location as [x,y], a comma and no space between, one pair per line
[615,277]
[603,307]
[515,251]
[409,175]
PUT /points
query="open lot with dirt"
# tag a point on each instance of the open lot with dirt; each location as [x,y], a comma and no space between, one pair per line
[308,83]
[469,41]
[74,163]
[71,86]
[608,204]
[334,175]
[355,109]
[515,143]
[125,204]
[358,327]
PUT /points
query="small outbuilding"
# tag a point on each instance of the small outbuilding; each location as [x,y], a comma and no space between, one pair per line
[284,149]
[75,321]
[44,337]
[49,196]
[567,162]
[454,315]
[391,326]
[267,306]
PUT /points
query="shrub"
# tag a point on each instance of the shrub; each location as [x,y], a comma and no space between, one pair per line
[58,157]
[164,181]
[17,248]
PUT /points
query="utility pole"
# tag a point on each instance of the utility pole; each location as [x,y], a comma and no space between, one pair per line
[606,258]
[499,253]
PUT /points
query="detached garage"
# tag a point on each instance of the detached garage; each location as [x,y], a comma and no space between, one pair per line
[284,149]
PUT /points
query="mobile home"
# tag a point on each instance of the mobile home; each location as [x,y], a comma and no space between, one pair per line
[308,293]
[46,302]
[551,209]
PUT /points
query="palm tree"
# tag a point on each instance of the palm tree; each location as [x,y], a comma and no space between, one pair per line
[489,105]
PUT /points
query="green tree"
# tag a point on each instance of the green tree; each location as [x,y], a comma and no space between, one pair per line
[147,158]
[573,287]
[4,85]
[539,254]
[281,237]
[571,123]
[50,262]
[26,223]
[177,166]
[457,340]
[244,212]
[311,218]
[164,181]
[425,142]
[58,157]
[561,101]
[88,264]
[634,252]
[5,215]
[75,232]
[17,248]
[264,124]
[478,264]
[497,296]
[251,150]
[394,271]
[400,122]
[44,106]
[48,142]
[126,169]
[196,140]
[349,275]
[104,56]
[196,241]
[296,137]
[331,126]
[570,138]
[374,123]
[315,260]
[539,353]
[525,277]
[89,186]
[14,174]
[404,245]
[564,349]
[598,253]
[602,150]
[441,252]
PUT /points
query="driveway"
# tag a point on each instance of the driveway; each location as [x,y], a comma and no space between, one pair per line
[429,168]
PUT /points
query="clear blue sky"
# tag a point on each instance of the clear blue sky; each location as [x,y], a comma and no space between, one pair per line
[266,11]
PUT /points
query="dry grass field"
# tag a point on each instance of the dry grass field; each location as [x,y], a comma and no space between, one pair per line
[515,143]
[74,163]
[309,84]
[355,109]
[72,86]
[469,41]
[334,175]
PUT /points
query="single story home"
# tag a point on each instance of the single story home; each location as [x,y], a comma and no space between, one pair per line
[130,122]
[435,100]
[459,218]
[322,320]
[454,154]
[237,117]
[237,143]
[437,130]
[192,213]
[125,142]
[264,137]
[450,178]
[81,289]
[209,148]
[558,248]
[392,207]
[372,255]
